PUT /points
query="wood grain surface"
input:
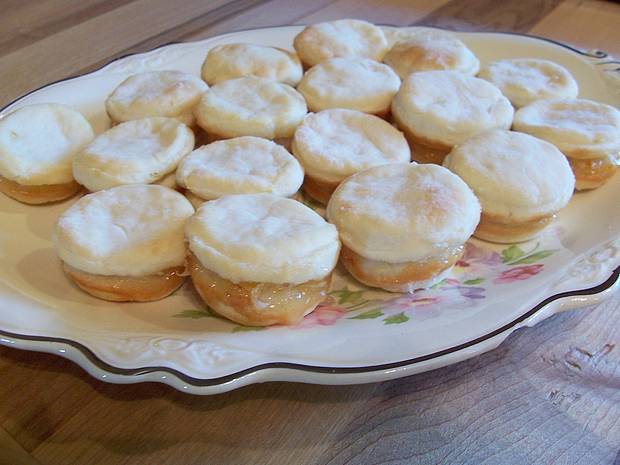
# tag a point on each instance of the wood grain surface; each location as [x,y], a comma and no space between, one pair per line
[548,395]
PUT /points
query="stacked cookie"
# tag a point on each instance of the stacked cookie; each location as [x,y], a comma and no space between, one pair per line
[403,135]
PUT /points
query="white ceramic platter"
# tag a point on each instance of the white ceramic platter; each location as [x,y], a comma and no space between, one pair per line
[359,335]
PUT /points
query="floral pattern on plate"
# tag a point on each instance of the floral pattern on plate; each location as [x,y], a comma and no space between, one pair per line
[479,268]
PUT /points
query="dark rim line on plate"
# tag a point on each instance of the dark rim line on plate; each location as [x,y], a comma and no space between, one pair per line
[204,382]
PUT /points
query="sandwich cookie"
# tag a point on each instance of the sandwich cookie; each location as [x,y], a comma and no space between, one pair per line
[230,61]
[355,84]
[587,132]
[346,38]
[260,259]
[524,80]
[125,243]
[250,106]
[403,227]
[135,152]
[427,52]
[334,144]
[522,182]
[37,146]
[243,165]
[399,34]
[173,94]
[440,109]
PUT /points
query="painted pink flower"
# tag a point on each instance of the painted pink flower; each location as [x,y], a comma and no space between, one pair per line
[323,315]
[518,273]
[408,301]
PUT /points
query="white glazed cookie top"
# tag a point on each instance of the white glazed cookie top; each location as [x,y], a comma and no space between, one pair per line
[579,128]
[230,61]
[263,238]
[38,143]
[514,175]
[135,152]
[156,93]
[524,80]
[431,52]
[448,107]
[243,165]
[133,230]
[401,213]
[251,106]
[357,84]
[347,38]
[395,34]
[334,144]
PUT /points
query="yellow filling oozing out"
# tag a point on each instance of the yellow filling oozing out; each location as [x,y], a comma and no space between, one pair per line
[257,304]
[397,276]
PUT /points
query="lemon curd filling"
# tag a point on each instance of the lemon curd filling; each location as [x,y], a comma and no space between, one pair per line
[257,304]
[592,172]
[398,277]
[498,229]
[128,288]
[38,194]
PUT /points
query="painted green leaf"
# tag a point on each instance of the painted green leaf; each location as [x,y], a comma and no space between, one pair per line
[396,319]
[245,329]
[472,282]
[375,313]
[193,314]
[346,296]
[535,257]
[511,253]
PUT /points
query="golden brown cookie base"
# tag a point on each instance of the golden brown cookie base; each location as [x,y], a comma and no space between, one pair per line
[406,276]
[423,150]
[493,228]
[257,304]
[36,195]
[591,173]
[128,288]
[321,191]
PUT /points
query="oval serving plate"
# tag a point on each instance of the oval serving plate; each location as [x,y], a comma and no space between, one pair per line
[359,335]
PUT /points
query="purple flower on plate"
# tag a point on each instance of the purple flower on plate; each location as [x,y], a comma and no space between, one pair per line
[471,292]
[474,254]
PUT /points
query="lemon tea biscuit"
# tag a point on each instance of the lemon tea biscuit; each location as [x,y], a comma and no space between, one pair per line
[250,106]
[156,93]
[356,84]
[37,146]
[135,152]
[125,243]
[230,61]
[522,182]
[403,226]
[346,38]
[243,165]
[440,109]
[431,52]
[334,144]
[524,80]
[587,132]
[275,268]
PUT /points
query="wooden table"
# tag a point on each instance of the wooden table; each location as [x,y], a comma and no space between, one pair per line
[549,394]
